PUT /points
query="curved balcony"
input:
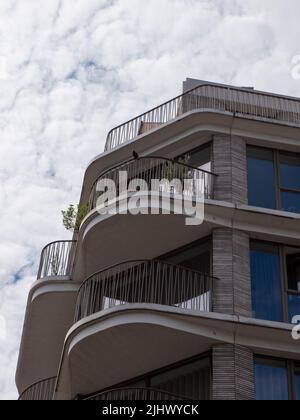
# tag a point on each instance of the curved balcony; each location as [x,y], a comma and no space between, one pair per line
[57,260]
[172,177]
[40,391]
[238,101]
[135,394]
[49,315]
[154,282]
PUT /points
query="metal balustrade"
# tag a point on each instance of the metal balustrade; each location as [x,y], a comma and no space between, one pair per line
[57,259]
[195,182]
[40,391]
[238,101]
[135,394]
[154,282]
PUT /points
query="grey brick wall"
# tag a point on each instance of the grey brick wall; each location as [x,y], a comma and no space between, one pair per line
[233,370]
[231,266]
[233,373]
[230,163]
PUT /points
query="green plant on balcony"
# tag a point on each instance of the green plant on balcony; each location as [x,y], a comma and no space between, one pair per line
[177,169]
[74,215]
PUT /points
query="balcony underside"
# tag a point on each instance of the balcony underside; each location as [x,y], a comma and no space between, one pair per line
[112,239]
[49,315]
[100,349]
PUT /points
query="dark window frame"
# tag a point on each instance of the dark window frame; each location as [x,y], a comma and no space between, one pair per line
[279,189]
[291,367]
[282,252]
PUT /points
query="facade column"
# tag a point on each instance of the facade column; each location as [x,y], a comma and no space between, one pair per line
[230,163]
[233,365]
[233,373]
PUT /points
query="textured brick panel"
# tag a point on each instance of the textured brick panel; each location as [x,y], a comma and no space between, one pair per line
[230,163]
[231,267]
[233,373]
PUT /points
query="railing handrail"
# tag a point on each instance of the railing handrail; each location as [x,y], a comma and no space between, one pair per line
[195,89]
[68,243]
[155,282]
[36,384]
[129,161]
[98,273]
[236,89]
[207,176]
[135,389]
[57,242]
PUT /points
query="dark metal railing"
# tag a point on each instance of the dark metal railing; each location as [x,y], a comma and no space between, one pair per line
[40,391]
[57,259]
[152,281]
[135,394]
[239,101]
[195,182]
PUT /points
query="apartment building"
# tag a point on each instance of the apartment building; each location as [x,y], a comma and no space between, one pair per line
[147,307]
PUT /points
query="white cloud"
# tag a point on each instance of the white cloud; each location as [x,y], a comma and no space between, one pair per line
[74,69]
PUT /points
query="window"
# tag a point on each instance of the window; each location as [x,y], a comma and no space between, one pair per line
[189,379]
[196,256]
[275,278]
[199,157]
[292,257]
[276,380]
[261,178]
[266,282]
[273,179]
[297,382]
[271,380]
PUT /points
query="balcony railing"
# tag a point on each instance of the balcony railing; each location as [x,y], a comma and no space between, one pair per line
[40,391]
[135,394]
[57,259]
[200,182]
[154,282]
[240,102]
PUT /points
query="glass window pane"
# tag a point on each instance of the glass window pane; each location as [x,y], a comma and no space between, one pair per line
[190,381]
[266,282]
[271,380]
[294,306]
[297,383]
[290,172]
[199,158]
[261,178]
[290,202]
[293,268]
[196,257]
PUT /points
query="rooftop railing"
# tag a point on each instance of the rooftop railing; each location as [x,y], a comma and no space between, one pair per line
[40,391]
[238,101]
[153,282]
[135,394]
[200,182]
[57,259]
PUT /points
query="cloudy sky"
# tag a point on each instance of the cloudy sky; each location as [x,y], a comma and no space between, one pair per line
[72,69]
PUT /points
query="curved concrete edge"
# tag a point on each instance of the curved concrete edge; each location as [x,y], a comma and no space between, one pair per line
[208,329]
[220,213]
[40,289]
[264,224]
[51,285]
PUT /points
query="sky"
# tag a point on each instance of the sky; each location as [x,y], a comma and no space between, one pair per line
[70,70]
